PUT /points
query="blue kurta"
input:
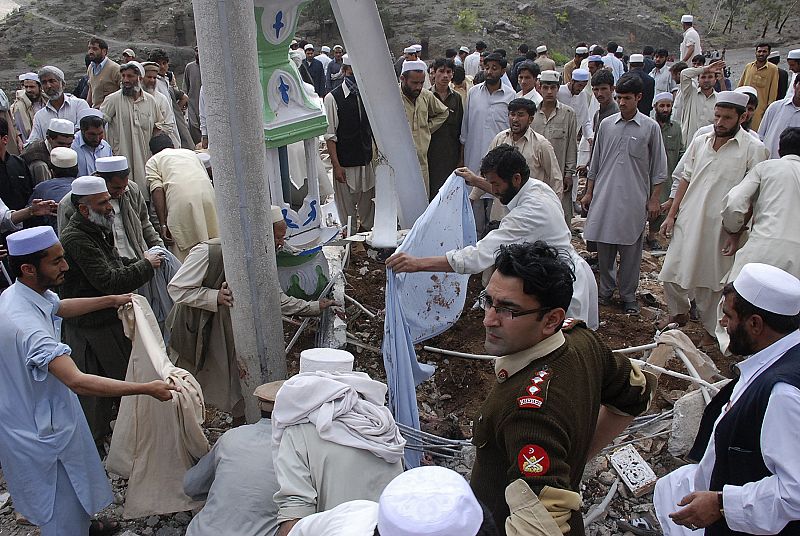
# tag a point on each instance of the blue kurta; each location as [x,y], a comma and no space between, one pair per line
[41,420]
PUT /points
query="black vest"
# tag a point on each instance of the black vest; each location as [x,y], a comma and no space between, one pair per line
[737,437]
[354,135]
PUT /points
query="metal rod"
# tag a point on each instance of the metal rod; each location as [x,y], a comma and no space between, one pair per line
[636,440]
[5,274]
[479,357]
[357,304]
[356,342]
[598,510]
[635,349]
[692,371]
[297,334]
[674,374]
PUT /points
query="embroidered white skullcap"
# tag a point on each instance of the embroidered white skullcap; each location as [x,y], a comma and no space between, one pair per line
[49,69]
[129,52]
[205,158]
[793,54]
[326,360]
[89,185]
[595,58]
[62,126]
[309,46]
[132,64]
[687,18]
[276,213]
[748,90]
[31,77]
[769,288]
[346,60]
[581,50]
[774,54]
[414,65]
[111,164]
[429,501]
[551,77]
[733,97]
[337,47]
[541,48]
[90,112]
[31,240]
[63,157]
[409,50]
[580,75]
[325,48]
[417,47]
[636,58]
[663,96]
[619,48]
[464,49]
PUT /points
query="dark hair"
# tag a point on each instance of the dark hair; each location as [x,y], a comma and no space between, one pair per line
[774,59]
[99,42]
[110,175]
[544,271]
[752,100]
[57,172]
[789,142]
[459,74]
[764,44]
[522,104]
[662,52]
[160,142]
[3,126]
[158,55]
[76,199]
[500,51]
[612,47]
[523,48]
[479,77]
[530,66]
[438,63]
[16,262]
[603,77]
[648,50]
[699,58]
[744,309]
[91,121]
[629,83]
[531,55]
[505,160]
[480,45]
[450,53]
[53,134]
[598,51]
[678,67]
[494,56]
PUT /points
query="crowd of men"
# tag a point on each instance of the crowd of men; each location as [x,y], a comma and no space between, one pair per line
[107,191]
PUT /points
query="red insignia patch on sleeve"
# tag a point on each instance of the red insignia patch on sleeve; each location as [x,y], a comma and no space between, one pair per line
[533,460]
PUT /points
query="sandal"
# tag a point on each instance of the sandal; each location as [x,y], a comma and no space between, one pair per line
[646,525]
[631,308]
[103,526]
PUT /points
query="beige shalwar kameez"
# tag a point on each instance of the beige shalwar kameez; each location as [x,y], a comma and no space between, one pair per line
[425,115]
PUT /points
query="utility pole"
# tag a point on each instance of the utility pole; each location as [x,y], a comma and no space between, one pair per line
[226,36]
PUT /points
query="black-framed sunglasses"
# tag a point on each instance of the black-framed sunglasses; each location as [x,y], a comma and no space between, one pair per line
[485,303]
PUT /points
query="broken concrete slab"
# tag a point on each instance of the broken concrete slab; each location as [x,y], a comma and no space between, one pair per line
[686,421]
[634,471]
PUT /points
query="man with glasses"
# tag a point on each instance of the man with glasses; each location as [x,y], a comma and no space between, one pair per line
[559,397]
[534,214]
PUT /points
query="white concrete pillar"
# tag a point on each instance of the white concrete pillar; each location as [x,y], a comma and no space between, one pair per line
[226,36]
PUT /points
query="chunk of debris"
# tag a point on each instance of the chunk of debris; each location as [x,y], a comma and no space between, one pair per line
[633,470]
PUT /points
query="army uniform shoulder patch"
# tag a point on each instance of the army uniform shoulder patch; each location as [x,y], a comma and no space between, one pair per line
[533,460]
[571,323]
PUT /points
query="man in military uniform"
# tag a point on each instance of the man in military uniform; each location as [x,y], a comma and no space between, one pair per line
[534,430]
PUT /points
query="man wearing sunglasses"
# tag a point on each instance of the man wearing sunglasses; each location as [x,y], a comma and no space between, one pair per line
[559,397]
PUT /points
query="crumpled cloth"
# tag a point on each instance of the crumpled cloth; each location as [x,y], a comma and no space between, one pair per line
[155,443]
[346,408]
[155,290]
[424,304]
[675,338]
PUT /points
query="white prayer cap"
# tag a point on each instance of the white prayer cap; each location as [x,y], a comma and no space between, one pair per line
[774,54]
[414,65]
[90,112]
[464,49]
[580,75]
[31,240]
[687,18]
[132,65]
[409,50]
[429,501]
[276,213]
[636,58]
[111,164]
[551,77]
[541,48]
[768,288]
[664,96]
[31,77]
[337,47]
[346,60]
[204,158]
[308,47]
[793,54]
[325,48]
[596,59]
[129,52]
[89,185]
[417,47]
[732,97]
[619,48]
[49,69]
[326,360]
[63,157]
[294,42]
[62,126]
[581,50]
[748,90]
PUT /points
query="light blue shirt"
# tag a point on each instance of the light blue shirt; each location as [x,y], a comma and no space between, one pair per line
[97,68]
[87,155]
[41,420]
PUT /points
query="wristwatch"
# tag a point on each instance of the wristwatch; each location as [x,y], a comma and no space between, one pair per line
[721,506]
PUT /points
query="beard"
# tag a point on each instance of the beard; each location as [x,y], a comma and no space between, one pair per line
[53,93]
[410,93]
[662,117]
[132,90]
[726,133]
[509,194]
[101,220]
[741,343]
